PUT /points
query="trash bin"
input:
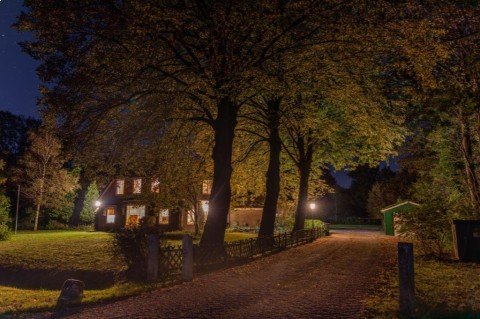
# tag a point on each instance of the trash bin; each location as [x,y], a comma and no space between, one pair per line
[466,240]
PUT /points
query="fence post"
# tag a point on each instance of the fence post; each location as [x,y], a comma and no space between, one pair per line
[187,261]
[406,279]
[153,252]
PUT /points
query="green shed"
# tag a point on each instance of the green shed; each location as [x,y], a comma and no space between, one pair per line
[389,215]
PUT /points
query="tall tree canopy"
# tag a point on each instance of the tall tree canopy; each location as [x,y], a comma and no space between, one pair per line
[140,63]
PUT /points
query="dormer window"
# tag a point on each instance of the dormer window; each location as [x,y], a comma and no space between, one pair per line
[137,186]
[207,187]
[156,186]
[120,187]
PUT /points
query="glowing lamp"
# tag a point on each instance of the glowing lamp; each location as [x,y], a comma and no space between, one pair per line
[98,203]
[313,206]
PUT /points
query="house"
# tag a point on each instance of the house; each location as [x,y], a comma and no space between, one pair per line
[246,217]
[122,203]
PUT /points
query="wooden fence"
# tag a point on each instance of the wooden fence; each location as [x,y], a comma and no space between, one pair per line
[171,261]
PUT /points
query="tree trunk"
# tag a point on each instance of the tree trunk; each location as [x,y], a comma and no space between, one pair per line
[470,169]
[219,203]
[40,197]
[196,216]
[267,225]
[80,200]
[302,202]
[37,215]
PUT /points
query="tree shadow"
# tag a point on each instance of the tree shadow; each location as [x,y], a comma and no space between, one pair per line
[52,279]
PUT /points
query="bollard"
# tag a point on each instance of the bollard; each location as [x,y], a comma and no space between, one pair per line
[406,282]
[153,255]
[187,252]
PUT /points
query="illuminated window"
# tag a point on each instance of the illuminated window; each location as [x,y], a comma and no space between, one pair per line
[190,217]
[207,187]
[120,187]
[137,186]
[134,214]
[156,186]
[205,206]
[110,215]
[164,217]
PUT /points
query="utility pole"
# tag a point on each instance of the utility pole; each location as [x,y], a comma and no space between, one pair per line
[16,213]
[336,207]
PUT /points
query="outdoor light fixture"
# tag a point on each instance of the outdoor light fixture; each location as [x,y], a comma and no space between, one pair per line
[98,203]
[313,206]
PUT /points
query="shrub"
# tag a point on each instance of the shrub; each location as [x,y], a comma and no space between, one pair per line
[5,233]
[4,209]
[88,212]
[56,225]
[429,227]
[131,244]
[315,223]
[430,224]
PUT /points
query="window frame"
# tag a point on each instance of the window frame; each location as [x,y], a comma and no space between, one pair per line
[207,187]
[117,181]
[155,186]
[137,189]
[107,209]
[160,217]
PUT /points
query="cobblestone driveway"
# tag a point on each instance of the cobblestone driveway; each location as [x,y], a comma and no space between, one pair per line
[326,279]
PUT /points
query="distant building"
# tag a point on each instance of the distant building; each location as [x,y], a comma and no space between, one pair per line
[121,205]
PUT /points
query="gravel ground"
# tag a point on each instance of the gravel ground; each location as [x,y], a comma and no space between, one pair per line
[326,279]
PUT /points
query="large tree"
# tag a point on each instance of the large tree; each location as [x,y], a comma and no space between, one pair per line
[41,173]
[109,57]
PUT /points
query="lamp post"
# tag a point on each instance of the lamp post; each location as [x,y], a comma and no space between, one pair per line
[313,206]
[16,210]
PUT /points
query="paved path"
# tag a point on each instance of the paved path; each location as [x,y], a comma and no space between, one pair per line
[326,279]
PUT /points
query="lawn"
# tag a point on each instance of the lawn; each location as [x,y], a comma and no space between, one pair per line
[61,250]
[444,289]
[31,261]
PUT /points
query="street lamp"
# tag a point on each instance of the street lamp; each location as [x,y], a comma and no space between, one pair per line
[313,206]
[98,203]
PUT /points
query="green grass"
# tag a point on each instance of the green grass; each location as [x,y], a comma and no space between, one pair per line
[444,289]
[61,250]
[54,251]
[14,300]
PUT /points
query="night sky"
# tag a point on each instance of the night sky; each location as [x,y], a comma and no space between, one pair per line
[18,80]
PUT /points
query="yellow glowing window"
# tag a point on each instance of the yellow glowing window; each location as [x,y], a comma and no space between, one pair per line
[120,187]
[156,186]
[207,187]
[137,186]
[110,215]
[164,217]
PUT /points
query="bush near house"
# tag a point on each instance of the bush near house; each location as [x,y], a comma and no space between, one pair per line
[131,246]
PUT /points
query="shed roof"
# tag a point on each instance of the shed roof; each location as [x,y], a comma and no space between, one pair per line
[399,206]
